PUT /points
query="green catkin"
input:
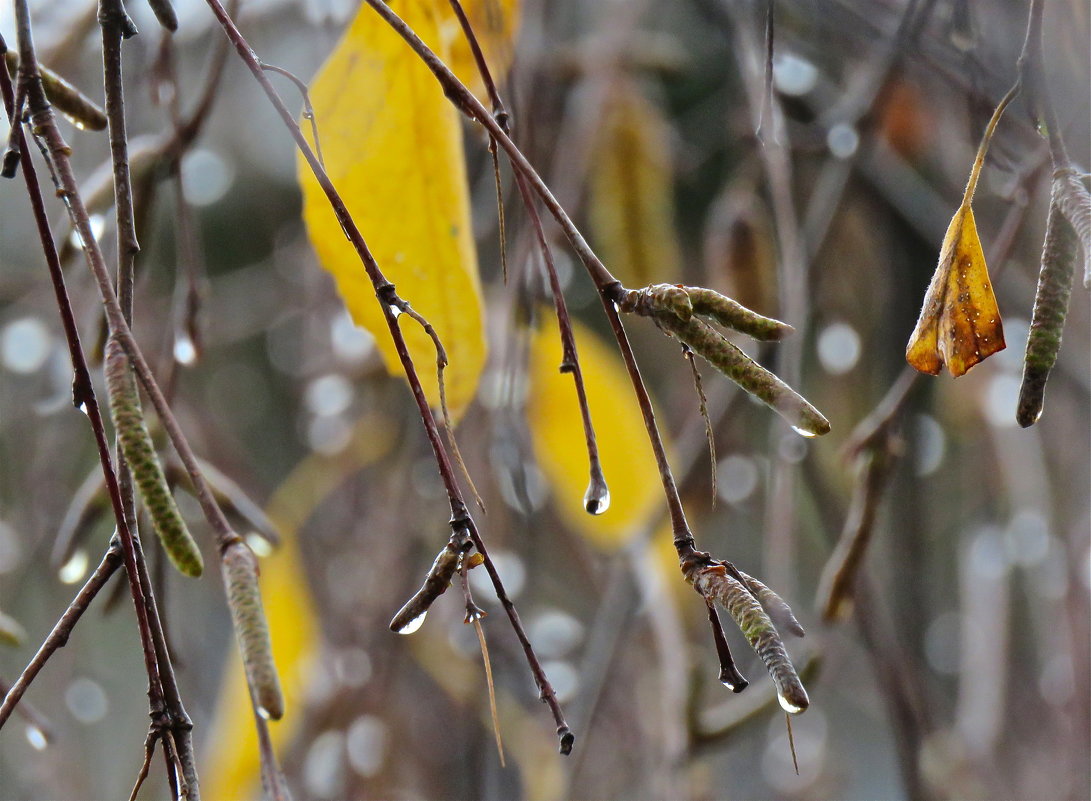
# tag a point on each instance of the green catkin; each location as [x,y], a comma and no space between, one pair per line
[657,299]
[775,606]
[760,632]
[1050,309]
[240,575]
[725,311]
[748,374]
[136,445]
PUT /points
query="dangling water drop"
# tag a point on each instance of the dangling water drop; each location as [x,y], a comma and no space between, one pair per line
[258,544]
[413,625]
[804,432]
[788,706]
[597,498]
[36,737]
[732,679]
[265,714]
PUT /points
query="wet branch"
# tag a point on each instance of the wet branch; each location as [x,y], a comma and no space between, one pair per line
[390,304]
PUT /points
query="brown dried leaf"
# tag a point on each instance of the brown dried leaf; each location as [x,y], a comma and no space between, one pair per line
[959,324]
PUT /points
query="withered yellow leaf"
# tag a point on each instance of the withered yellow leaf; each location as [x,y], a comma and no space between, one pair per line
[392,144]
[632,197]
[960,322]
[557,434]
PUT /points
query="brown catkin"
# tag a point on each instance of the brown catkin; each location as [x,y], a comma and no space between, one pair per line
[1050,309]
[725,311]
[240,575]
[136,445]
[748,374]
[716,583]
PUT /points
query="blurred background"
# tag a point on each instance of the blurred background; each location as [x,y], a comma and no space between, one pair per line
[963,669]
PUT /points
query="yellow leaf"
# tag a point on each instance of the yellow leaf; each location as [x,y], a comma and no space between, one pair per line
[494,23]
[960,322]
[392,145]
[557,434]
[632,201]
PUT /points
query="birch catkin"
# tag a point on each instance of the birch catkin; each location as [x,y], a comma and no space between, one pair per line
[716,583]
[136,445]
[748,374]
[1074,201]
[775,606]
[1050,309]
[725,311]
[240,574]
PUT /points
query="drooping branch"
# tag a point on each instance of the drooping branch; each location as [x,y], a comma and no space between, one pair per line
[390,305]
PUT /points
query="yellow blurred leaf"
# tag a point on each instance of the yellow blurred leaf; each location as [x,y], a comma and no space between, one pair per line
[392,145]
[494,23]
[557,434]
[632,201]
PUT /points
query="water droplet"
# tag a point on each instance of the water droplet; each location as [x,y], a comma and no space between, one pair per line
[804,432]
[75,568]
[83,408]
[395,312]
[36,737]
[597,498]
[265,714]
[414,624]
[258,544]
[788,706]
[185,352]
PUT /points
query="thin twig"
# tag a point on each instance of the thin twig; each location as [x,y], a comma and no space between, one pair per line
[58,637]
[387,295]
